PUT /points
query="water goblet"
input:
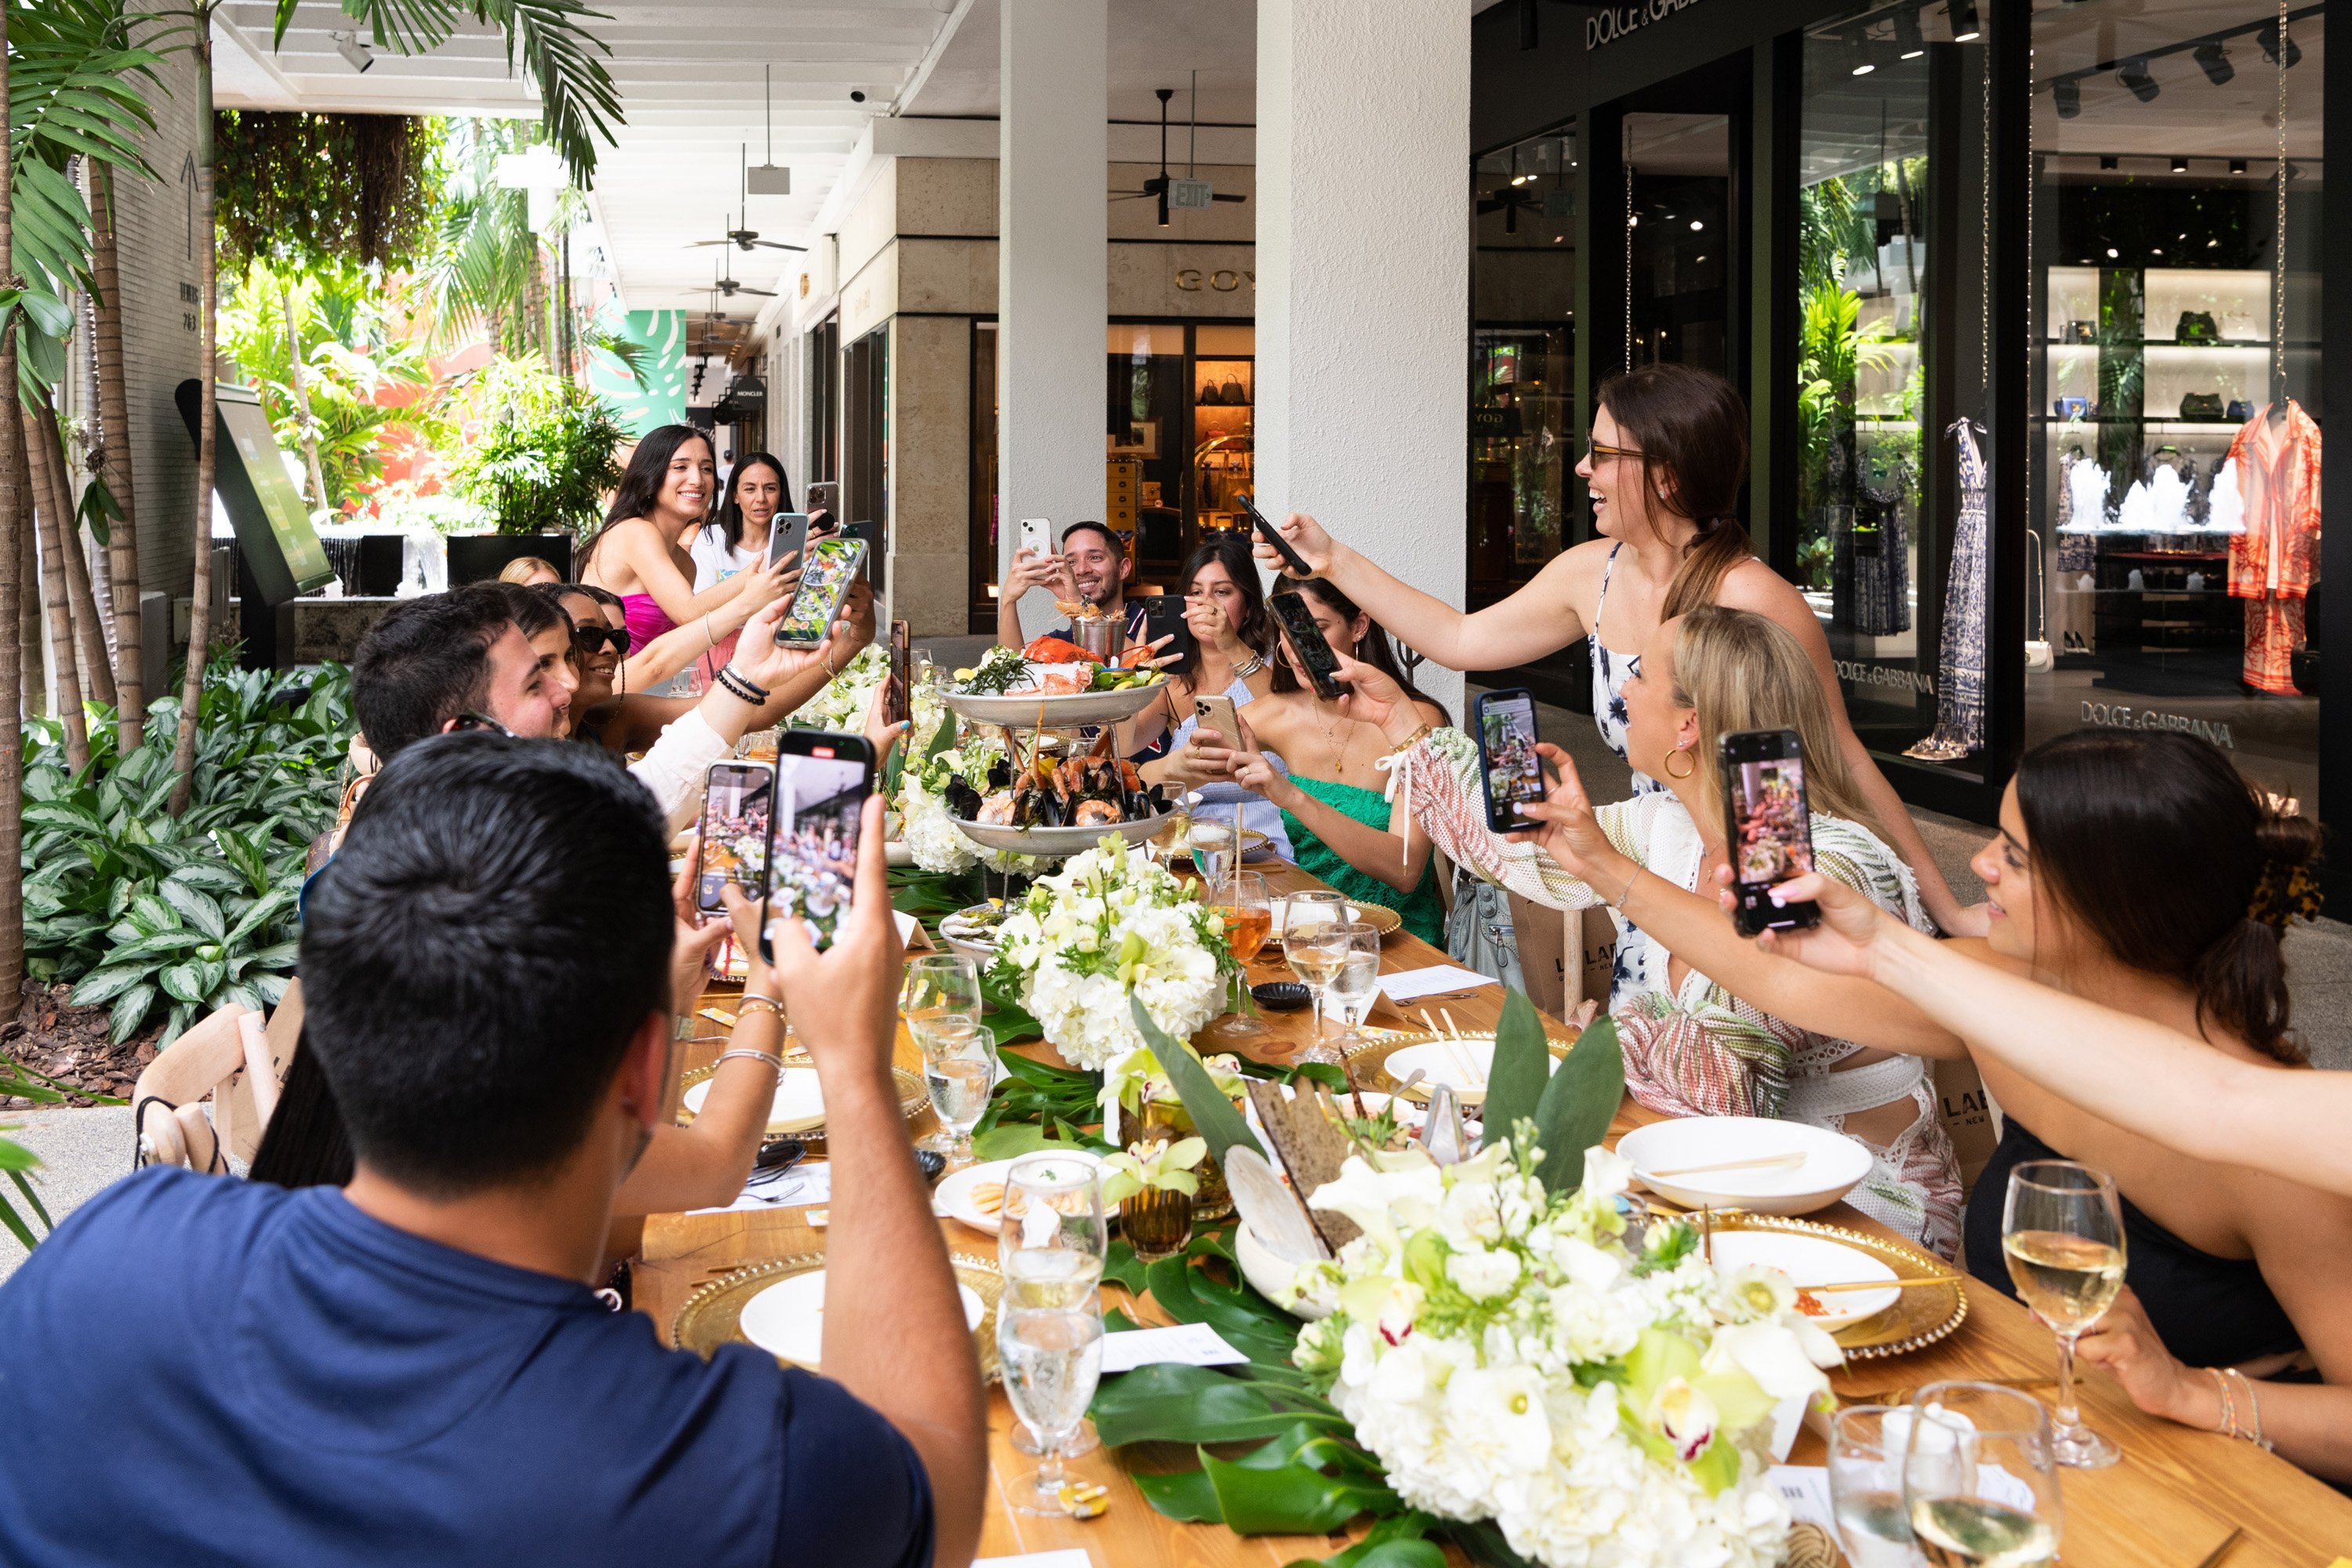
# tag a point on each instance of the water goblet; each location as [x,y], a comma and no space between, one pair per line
[1980,1478]
[1356,984]
[1865,1464]
[1242,903]
[1052,1358]
[941,1002]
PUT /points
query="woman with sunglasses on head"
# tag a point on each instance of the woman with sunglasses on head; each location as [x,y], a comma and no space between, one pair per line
[640,553]
[1664,466]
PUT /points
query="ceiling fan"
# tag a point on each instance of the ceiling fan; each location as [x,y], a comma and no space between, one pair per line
[725,286]
[1160,184]
[745,240]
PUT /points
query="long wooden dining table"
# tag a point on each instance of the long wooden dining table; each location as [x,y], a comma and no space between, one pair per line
[2175,1496]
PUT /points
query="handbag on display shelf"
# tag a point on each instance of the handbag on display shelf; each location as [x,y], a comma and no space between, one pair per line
[2205,405]
[2196,326]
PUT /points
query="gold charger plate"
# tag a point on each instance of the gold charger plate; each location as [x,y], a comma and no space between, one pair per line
[912,1098]
[713,1316]
[1921,1315]
[1381,1044]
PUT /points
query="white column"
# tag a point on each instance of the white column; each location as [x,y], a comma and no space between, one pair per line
[1053,267]
[1363,280]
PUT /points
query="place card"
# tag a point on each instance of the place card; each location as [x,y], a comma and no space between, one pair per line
[1806,1489]
[1186,1344]
[1418,983]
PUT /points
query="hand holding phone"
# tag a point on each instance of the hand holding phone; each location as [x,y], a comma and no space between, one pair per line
[1163,616]
[826,578]
[821,783]
[1769,827]
[1503,724]
[738,821]
[1318,664]
[1292,561]
[787,536]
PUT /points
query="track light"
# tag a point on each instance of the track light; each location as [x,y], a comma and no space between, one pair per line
[2215,62]
[2068,94]
[1964,21]
[2135,77]
[356,55]
[1907,31]
[2267,35]
[2179,165]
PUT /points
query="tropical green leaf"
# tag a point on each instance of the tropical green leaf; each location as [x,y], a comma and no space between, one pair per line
[1213,1116]
[104,985]
[1579,1103]
[129,1011]
[1168,1404]
[1514,1083]
[185,983]
[200,909]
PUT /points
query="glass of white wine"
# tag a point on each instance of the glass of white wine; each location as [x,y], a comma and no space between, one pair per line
[2061,1234]
[1052,1358]
[1316,953]
[1865,1464]
[941,1002]
[1980,1480]
[1357,982]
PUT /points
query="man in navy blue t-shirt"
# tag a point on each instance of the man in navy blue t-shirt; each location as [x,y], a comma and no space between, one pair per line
[411,1369]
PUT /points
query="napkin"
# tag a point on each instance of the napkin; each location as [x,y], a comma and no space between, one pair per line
[1069,1557]
[1187,1344]
[804,1183]
[1417,983]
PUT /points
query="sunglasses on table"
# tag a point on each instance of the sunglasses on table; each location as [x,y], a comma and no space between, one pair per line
[589,639]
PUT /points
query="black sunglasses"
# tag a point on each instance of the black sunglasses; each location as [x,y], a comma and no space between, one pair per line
[588,640]
[470,720]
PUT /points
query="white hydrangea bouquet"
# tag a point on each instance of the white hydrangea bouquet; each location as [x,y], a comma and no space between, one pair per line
[1507,1356]
[843,702]
[1108,926]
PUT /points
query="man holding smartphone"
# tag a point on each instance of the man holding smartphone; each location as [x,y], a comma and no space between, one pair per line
[1093,568]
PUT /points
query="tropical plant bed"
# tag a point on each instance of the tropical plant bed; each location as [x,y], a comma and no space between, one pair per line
[72,1048]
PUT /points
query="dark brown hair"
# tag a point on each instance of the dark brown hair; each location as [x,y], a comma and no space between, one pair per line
[1691,428]
[1231,551]
[1372,649]
[642,480]
[2155,843]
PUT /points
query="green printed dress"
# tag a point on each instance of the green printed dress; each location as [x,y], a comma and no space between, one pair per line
[1423,911]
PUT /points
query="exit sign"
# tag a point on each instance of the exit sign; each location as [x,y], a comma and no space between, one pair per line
[1195,194]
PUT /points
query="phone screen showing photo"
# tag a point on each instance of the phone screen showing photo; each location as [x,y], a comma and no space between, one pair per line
[819,795]
[1772,836]
[825,579]
[1506,748]
[1322,666]
[734,843]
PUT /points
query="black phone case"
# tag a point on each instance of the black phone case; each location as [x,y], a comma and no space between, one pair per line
[1272,535]
[1515,822]
[1322,668]
[1163,616]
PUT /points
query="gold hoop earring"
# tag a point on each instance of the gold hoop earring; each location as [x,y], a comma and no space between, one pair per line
[1684,753]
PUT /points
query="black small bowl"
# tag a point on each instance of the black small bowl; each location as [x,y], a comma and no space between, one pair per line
[1281,996]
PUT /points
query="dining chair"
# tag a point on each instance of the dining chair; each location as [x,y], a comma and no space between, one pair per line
[232,1058]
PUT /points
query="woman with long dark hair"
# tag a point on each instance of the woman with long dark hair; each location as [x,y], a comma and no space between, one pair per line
[1664,466]
[736,537]
[639,553]
[2138,870]
[1342,826]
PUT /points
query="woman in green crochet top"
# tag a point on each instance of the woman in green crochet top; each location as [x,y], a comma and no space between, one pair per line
[1340,826]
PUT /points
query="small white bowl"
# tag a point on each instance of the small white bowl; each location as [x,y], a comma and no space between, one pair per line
[1834,1163]
[1271,1277]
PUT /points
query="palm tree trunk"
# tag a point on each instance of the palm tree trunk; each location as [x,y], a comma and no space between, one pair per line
[89,631]
[29,636]
[302,403]
[110,462]
[200,592]
[13,534]
[54,601]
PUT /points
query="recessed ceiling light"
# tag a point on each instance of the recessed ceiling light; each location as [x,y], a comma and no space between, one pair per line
[1696,226]
[2113,253]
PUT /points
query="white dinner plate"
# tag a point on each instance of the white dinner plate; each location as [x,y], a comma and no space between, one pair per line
[800,1102]
[787,1318]
[1834,1163]
[966,1198]
[1465,1065]
[1810,1261]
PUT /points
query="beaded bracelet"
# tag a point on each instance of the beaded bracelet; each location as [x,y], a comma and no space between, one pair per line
[749,691]
[754,1003]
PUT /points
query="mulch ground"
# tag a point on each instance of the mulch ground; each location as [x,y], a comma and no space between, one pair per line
[68,1045]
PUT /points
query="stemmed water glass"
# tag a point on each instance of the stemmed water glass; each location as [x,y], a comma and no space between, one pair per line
[1865,1464]
[1052,1358]
[941,1002]
[1357,982]
[1052,1236]
[1979,1477]
[1241,900]
[1316,951]
[2061,1234]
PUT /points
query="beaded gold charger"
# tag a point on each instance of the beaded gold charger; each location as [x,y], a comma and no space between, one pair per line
[912,1098]
[1921,1315]
[713,1316]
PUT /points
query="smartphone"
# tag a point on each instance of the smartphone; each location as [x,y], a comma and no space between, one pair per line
[1506,728]
[1037,535]
[1322,665]
[870,535]
[1769,827]
[787,535]
[1219,713]
[1163,616]
[1266,531]
[821,783]
[894,701]
[738,817]
[827,575]
[824,505]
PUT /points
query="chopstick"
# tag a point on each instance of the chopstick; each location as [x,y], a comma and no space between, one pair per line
[1882,1284]
[1760,1162]
[2227,1540]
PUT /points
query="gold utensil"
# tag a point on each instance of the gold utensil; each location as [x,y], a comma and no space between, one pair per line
[2227,1540]
[1759,1162]
[1881,1284]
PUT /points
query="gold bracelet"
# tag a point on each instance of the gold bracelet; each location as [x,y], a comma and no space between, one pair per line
[751,1004]
[707,631]
[1415,739]
[2254,1405]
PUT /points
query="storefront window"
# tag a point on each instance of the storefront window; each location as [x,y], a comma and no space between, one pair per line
[1890,384]
[2176,505]
[1523,427]
[1225,411]
[866,442]
[1181,406]
[822,460]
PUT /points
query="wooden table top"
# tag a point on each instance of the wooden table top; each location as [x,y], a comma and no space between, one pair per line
[2173,1496]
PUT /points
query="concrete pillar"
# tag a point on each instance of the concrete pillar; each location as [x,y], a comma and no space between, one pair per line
[1052,269]
[1363,280]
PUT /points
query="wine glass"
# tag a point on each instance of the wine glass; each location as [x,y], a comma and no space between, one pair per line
[1052,1236]
[1242,903]
[1352,988]
[1316,953]
[941,1002]
[1052,1358]
[1216,845]
[1866,1486]
[1979,1477]
[2061,1234]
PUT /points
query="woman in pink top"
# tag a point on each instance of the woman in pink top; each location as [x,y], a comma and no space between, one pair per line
[663,496]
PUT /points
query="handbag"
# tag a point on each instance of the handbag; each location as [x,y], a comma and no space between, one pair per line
[2196,326]
[2201,405]
[1233,394]
[2241,410]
